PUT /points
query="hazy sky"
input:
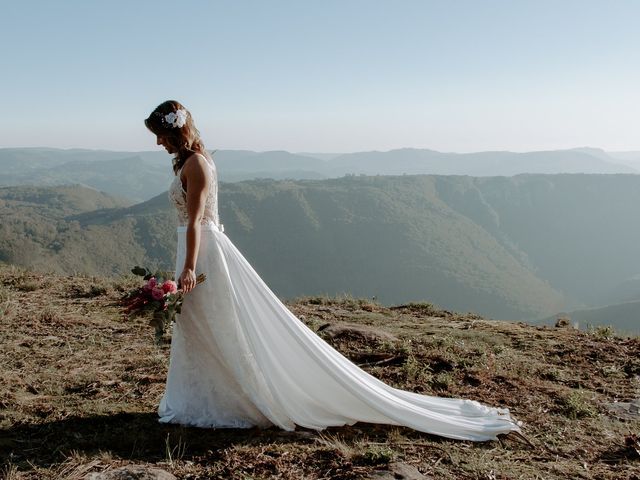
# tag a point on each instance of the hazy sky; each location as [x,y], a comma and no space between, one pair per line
[324,75]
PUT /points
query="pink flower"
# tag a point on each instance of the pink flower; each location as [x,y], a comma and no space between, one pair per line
[169,287]
[150,285]
[157,293]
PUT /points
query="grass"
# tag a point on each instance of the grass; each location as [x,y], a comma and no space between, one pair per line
[603,332]
[375,455]
[7,303]
[577,405]
[79,388]
[346,301]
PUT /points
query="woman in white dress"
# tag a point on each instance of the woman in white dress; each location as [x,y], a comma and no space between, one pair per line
[240,358]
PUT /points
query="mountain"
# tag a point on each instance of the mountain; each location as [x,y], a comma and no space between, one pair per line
[271,161]
[625,291]
[521,247]
[138,176]
[579,232]
[40,230]
[320,156]
[56,202]
[388,237]
[341,236]
[624,317]
[142,175]
[129,177]
[575,232]
[27,159]
[392,237]
[420,161]
[630,159]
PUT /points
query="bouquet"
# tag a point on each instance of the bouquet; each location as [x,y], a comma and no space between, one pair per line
[159,298]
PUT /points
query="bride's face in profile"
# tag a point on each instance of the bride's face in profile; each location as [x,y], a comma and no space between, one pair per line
[162,140]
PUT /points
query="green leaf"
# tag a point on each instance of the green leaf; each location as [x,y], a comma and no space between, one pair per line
[140,271]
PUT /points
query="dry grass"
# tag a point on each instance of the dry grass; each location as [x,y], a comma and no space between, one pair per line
[79,388]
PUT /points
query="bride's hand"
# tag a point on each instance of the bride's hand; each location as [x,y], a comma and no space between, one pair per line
[187,280]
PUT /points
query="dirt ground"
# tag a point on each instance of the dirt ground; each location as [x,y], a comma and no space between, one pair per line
[79,388]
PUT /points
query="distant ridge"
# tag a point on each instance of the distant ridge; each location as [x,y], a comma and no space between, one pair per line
[623,317]
[142,175]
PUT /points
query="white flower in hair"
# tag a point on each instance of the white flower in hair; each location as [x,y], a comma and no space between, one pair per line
[177,118]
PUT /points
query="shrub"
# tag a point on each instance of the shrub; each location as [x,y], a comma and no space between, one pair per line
[7,307]
[375,455]
[603,332]
[442,381]
[576,406]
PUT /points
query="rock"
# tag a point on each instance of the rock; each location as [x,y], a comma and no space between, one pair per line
[563,322]
[132,472]
[398,471]
[339,331]
[625,410]
[632,442]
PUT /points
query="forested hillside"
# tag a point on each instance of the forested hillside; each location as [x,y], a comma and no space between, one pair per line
[41,229]
[521,247]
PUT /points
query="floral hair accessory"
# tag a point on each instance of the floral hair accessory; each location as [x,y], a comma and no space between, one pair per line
[176,119]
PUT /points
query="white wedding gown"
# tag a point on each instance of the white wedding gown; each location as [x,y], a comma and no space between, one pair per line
[240,358]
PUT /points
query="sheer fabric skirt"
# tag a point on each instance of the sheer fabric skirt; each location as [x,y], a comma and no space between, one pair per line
[240,358]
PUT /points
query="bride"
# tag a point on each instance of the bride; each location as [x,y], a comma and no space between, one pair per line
[240,358]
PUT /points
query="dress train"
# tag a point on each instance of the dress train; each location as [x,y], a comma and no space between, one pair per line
[241,358]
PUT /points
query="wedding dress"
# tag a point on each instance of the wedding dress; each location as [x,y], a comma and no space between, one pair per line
[240,358]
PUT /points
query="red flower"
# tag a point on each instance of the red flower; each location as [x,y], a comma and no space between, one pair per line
[169,286]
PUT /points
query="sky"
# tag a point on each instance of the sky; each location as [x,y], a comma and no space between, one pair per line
[324,76]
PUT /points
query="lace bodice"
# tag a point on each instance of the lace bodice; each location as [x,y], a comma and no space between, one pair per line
[177,196]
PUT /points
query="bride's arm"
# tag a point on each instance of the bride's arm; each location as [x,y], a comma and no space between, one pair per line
[196,175]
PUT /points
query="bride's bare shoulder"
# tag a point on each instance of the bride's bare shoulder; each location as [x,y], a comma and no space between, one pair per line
[197,164]
[196,159]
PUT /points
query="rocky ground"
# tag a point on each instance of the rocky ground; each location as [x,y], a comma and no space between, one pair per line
[79,387]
